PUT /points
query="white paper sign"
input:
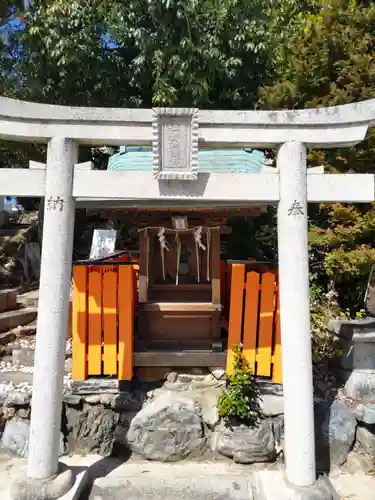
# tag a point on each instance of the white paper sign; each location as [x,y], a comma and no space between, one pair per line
[103,243]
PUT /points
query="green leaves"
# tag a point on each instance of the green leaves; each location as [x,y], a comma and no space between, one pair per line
[328,59]
[205,53]
[239,402]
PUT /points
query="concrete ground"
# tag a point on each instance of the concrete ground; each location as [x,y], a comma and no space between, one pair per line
[111,479]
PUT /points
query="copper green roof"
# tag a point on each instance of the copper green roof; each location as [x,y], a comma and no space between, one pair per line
[139,159]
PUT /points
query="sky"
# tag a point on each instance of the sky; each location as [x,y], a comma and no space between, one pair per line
[18,24]
[9,26]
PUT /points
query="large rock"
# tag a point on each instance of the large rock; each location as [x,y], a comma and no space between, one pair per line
[17,398]
[210,412]
[23,356]
[335,432]
[91,429]
[15,438]
[277,424]
[271,399]
[167,429]
[246,445]
[272,405]
[366,439]
[365,413]
[125,402]
[122,428]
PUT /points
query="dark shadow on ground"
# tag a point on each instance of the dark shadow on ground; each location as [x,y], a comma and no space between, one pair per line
[100,469]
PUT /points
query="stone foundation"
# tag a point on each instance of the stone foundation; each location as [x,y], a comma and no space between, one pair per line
[177,419]
[166,422]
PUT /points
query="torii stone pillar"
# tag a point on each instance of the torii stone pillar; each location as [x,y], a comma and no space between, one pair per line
[56,265]
[295,315]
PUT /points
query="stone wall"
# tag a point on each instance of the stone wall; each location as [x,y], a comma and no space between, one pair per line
[178,419]
[167,422]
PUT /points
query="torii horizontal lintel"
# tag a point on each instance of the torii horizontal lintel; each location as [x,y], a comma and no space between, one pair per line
[334,126]
[261,188]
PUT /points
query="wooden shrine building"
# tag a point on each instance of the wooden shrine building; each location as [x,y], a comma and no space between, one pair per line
[183,283]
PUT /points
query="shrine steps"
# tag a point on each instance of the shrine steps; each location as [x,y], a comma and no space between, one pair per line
[180,358]
[8,300]
[12,314]
[180,306]
[15,318]
[178,325]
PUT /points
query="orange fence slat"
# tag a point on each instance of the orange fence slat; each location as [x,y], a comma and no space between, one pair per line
[110,275]
[135,287]
[251,318]
[79,323]
[267,302]
[235,311]
[95,321]
[229,284]
[277,374]
[126,322]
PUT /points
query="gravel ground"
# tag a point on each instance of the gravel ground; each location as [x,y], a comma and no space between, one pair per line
[9,385]
[6,366]
[30,341]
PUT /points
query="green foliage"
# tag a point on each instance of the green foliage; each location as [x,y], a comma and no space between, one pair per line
[344,245]
[239,401]
[254,237]
[323,306]
[206,53]
[329,59]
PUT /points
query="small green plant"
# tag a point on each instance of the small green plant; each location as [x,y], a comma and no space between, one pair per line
[239,401]
[347,314]
[324,307]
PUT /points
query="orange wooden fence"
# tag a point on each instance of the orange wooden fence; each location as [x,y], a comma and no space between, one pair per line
[104,307]
[254,319]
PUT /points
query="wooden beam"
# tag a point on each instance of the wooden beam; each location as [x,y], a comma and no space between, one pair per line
[107,208]
[180,306]
[180,358]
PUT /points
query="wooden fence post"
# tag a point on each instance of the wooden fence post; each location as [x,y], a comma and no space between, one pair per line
[126,322]
[235,311]
[110,283]
[251,319]
[79,323]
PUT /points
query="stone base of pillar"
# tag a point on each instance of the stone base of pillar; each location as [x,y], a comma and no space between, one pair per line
[43,489]
[271,485]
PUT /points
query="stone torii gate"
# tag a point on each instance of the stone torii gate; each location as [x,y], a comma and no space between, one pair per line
[176,135]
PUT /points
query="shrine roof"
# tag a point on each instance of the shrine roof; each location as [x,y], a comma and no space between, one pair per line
[209,160]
